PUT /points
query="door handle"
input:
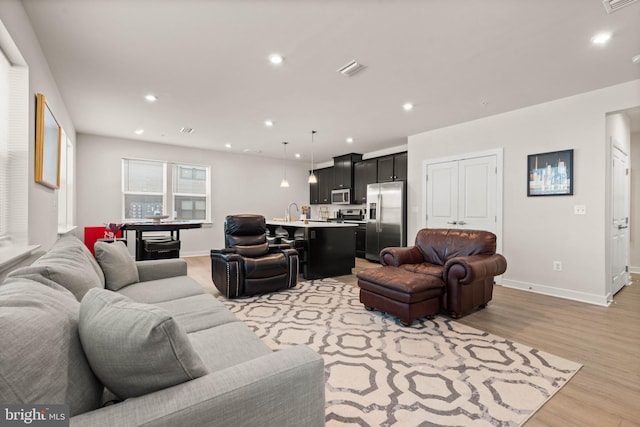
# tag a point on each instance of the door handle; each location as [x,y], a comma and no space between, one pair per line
[461,223]
[452,222]
[622,227]
[379,214]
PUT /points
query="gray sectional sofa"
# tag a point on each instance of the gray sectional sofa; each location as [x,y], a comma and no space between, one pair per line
[154,349]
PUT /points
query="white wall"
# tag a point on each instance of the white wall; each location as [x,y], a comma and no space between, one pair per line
[239,184]
[43,210]
[634,255]
[540,230]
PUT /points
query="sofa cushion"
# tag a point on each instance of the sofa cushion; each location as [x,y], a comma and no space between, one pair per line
[198,312]
[135,348]
[440,245]
[118,266]
[240,345]
[162,290]
[425,268]
[68,263]
[42,360]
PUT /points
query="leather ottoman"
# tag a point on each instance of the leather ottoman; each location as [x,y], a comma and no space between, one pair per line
[400,293]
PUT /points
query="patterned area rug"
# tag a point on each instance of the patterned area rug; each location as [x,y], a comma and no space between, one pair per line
[378,373]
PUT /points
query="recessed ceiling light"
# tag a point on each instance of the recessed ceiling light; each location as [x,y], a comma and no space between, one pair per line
[297,155]
[227,145]
[601,38]
[139,131]
[268,123]
[407,106]
[350,140]
[276,58]
[151,97]
[186,130]
[636,59]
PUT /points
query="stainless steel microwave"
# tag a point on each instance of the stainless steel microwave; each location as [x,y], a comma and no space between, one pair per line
[341,197]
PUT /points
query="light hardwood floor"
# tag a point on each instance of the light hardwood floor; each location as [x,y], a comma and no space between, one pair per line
[606,340]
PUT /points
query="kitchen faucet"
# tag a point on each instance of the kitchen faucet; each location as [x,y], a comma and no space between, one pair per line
[287,215]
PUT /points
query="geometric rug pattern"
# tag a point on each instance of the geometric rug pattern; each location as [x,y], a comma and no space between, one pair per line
[379,373]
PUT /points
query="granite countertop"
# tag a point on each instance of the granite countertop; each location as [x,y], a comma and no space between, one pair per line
[311,224]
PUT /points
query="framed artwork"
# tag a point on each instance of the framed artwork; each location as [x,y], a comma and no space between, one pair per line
[550,174]
[48,135]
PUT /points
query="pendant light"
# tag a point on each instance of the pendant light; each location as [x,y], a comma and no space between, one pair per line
[312,176]
[284,182]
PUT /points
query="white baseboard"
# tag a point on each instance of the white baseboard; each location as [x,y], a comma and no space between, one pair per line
[602,300]
[634,270]
[184,254]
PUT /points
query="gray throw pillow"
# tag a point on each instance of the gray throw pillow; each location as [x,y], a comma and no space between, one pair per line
[68,263]
[135,348]
[41,358]
[119,268]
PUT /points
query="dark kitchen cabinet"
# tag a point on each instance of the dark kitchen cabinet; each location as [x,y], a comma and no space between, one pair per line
[325,185]
[361,240]
[400,166]
[343,170]
[392,168]
[364,173]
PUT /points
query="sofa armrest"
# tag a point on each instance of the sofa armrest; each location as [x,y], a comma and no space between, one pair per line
[397,256]
[161,269]
[284,388]
[468,269]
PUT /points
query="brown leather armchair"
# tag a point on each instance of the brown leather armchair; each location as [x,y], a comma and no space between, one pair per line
[466,260]
[248,265]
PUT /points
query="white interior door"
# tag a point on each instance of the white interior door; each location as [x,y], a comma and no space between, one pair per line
[477,194]
[442,195]
[620,219]
[463,194]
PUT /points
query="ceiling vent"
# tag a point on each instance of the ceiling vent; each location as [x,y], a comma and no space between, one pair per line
[351,68]
[613,5]
[186,130]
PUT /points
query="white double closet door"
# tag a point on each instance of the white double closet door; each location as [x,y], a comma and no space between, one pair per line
[463,194]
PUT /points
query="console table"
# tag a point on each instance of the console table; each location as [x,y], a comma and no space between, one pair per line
[147,226]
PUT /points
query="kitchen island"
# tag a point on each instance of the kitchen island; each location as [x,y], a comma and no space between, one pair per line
[325,249]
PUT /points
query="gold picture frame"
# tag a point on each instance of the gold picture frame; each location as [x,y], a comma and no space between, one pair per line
[48,136]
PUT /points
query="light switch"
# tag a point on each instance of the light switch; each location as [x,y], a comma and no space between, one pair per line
[580,210]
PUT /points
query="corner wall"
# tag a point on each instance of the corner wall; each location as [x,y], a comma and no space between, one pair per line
[43,201]
[540,230]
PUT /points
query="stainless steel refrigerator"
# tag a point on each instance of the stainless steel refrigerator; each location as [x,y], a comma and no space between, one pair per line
[386,217]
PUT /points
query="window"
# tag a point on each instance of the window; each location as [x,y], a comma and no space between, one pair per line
[66,191]
[14,153]
[150,187]
[4,144]
[14,145]
[190,192]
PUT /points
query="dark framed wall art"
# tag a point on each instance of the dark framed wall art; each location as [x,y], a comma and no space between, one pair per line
[48,133]
[550,174]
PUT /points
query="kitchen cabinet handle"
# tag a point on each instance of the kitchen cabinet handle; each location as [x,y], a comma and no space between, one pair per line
[452,222]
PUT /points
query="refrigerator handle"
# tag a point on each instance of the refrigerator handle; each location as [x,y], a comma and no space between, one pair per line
[378,219]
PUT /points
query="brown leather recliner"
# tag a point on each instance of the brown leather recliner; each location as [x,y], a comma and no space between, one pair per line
[465,259]
[249,265]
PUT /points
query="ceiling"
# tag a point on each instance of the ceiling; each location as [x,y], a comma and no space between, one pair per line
[207,62]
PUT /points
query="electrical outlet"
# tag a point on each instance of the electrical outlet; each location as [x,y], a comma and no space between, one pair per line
[580,210]
[557,265]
